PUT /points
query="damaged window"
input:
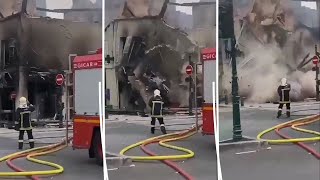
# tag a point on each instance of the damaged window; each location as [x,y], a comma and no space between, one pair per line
[9,7]
[81,11]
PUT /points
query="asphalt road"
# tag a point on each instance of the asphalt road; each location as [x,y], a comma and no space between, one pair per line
[285,162]
[76,163]
[120,134]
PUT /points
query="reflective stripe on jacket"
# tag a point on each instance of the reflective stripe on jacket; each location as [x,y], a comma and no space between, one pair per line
[284,93]
[24,117]
[156,105]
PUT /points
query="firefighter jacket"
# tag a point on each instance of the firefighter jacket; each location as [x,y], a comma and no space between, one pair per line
[24,117]
[284,93]
[156,105]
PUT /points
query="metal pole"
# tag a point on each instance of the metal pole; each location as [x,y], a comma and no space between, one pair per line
[190,90]
[195,95]
[317,77]
[237,132]
[13,113]
[67,106]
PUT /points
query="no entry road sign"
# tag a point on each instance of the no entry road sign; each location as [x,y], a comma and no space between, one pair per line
[59,79]
[189,70]
[315,60]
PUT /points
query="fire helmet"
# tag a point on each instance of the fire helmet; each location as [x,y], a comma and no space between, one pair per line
[23,102]
[156,92]
[283,81]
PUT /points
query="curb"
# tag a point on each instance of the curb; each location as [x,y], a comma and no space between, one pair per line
[250,143]
[117,160]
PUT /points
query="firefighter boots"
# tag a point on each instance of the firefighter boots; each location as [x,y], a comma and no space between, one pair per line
[31,145]
[20,145]
[163,130]
[152,130]
[288,113]
[279,114]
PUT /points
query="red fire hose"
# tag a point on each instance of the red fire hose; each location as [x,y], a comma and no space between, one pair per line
[167,162]
[302,145]
[16,168]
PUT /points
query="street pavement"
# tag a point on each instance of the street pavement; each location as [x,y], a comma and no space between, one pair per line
[76,163]
[122,131]
[285,162]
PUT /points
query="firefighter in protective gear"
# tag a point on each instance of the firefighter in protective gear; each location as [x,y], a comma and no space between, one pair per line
[156,104]
[284,94]
[23,121]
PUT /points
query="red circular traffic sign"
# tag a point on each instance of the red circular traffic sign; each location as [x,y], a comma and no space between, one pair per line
[315,60]
[59,79]
[189,69]
[13,95]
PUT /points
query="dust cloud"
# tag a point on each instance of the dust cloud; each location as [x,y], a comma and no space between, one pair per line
[274,52]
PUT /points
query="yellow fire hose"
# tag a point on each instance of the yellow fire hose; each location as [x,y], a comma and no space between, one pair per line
[294,124]
[163,142]
[34,153]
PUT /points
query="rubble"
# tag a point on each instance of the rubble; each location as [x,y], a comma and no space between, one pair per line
[273,42]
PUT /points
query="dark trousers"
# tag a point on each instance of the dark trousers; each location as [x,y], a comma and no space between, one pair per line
[287,106]
[153,121]
[30,138]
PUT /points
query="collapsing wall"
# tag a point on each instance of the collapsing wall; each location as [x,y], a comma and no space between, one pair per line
[273,43]
[151,56]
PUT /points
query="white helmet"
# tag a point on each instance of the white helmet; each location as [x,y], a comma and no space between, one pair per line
[283,81]
[156,92]
[23,102]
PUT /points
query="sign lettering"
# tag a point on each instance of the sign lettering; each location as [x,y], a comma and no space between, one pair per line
[87,65]
[208,56]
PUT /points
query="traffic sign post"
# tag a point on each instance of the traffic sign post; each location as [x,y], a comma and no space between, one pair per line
[59,79]
[189,71]
[316,63]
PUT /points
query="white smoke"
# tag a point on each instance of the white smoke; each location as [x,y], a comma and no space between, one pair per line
[265,62]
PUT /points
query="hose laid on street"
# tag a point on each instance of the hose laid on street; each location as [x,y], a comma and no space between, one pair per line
[16,168]
[174,166]
[30,154]
[299,141]
[302,145]
[292,140]
[162,142]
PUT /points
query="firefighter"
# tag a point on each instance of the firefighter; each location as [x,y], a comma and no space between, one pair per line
[156,104]
[284,94]
[23,121]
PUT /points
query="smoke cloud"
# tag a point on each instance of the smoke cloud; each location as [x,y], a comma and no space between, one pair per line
[271,53]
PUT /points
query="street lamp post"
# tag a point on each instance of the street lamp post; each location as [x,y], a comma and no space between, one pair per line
[227,31]
[317,77]
[190,90]
[237,132]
